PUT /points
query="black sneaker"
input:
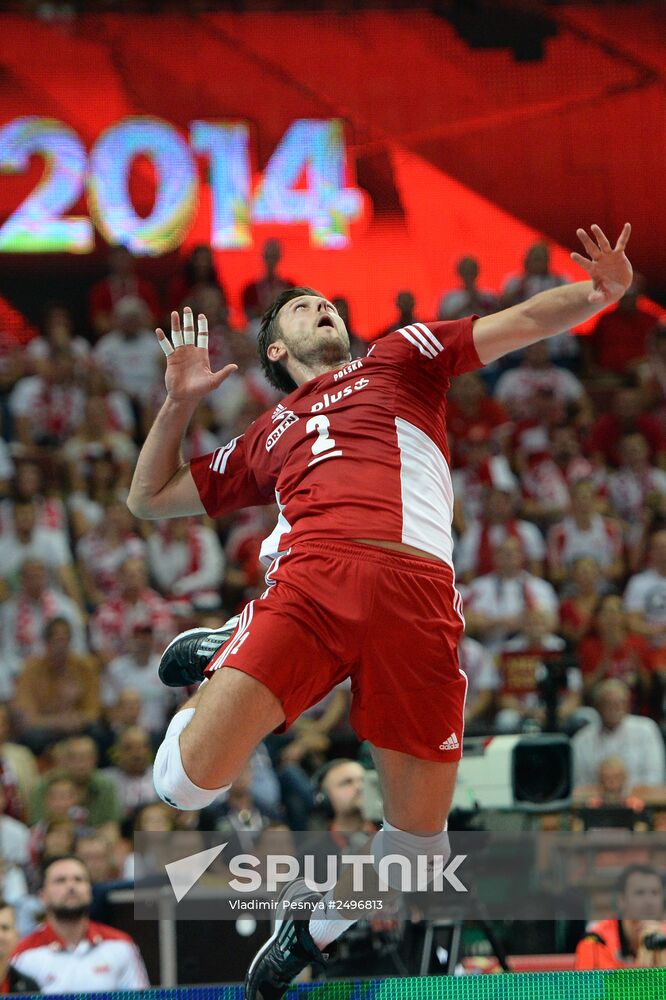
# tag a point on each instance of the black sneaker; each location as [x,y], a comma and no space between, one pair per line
[289,950]
[187,656]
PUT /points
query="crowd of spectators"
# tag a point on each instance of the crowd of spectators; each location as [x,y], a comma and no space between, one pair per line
[559,467]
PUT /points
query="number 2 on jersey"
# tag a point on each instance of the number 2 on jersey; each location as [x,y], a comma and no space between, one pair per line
[324,445]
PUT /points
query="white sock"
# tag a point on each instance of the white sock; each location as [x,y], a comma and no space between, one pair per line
[323,931]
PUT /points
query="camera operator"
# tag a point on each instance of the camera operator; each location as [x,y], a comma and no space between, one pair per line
[637,937]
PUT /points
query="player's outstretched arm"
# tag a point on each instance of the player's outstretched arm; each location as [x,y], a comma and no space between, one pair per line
[162,485]
[561,308]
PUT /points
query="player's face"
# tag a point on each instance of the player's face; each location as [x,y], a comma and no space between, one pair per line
[344,786]
[66,886]
[643,898]
[313,332]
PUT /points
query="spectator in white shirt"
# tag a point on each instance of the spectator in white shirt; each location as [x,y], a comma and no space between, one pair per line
[136,669]
[473,553]
[517,387]
[132,774]
[185,559]
[645,596]
[48,407]
[23,619]
[29,540]
[69,953]
[585,532]
[637,489]
[14,837]
[495,604]
[482,684]
[616,733]
[130,353]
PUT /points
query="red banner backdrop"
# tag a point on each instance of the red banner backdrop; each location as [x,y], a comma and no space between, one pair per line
[453,151]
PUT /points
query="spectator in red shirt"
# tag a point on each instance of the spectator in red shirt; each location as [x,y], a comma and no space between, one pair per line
[615,653]
[620,337]
[627,416]
[584,583]
[471,414]
[120,282]
[112,624]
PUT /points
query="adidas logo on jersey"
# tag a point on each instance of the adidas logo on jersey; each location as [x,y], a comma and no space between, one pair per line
[451,743]
[335,397]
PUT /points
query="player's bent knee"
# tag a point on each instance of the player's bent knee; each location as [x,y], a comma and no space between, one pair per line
[402,859]
[171,782]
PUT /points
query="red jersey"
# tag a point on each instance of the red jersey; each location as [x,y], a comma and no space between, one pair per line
[360,452]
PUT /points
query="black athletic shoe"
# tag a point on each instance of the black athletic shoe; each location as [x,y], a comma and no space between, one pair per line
[289,950]
[187,656]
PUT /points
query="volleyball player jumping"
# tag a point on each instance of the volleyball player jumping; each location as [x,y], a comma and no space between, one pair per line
[360,582]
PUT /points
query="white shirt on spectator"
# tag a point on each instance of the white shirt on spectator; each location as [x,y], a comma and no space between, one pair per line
[14,840]
[646,594]
[48,546]
[479,667]
[22,623]
[466,550]
[602,540]
[186,566]
[103,560]
[51,514]
[471,483]
[517,387]
[132,364]
[52,410]
[106,959]
[133,790]
[157,701]
[636,740]
[39,348]
[629,492]
[499,597]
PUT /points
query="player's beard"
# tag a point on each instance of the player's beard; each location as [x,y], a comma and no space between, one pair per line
[71,913]
[322,353]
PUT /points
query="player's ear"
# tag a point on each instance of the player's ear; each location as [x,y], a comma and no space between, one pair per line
[277,351]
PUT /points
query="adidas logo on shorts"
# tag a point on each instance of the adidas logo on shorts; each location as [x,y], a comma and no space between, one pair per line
[451,743]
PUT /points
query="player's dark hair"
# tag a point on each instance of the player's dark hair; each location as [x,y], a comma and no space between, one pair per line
[269,331]
[62,857]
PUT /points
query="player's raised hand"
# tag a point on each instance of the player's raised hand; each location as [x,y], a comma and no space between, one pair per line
[188,376]
[608,266]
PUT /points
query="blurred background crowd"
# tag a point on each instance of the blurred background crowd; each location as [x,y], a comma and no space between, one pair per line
[558,456]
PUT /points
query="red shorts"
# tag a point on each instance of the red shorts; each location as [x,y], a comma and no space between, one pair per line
[390,621]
